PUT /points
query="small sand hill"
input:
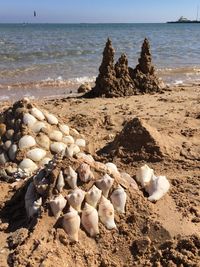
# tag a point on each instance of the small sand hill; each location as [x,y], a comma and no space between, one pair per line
[140,141]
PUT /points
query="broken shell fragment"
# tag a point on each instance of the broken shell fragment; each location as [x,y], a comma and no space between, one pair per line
[144,175]
[76,198]
[43,141]
[36,154]
[37,114]
[60,182]
[93,195]
[71,178]
[112,168]
[57,205]
[90,220]
[157,188]
[26,141]
[71,224]
[105,184]
[106,213]
[84,172]
[118,199]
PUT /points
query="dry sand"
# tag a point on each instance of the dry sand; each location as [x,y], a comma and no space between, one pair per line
[166,233]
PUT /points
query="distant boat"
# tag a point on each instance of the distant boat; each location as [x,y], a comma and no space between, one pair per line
[184,20]
[34,13]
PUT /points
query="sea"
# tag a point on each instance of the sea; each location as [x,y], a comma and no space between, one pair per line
[52,60]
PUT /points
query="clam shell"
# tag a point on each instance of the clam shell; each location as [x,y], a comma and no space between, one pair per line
[28,165]
[90,220]
[80,142]
[26,141]
[12,152]
[55,135]
[43,141]
[71,224]
[51,118]
[29,120]
[57,147]
[68,140]
[38,126]
[37,114]
[64,129]
[36,154]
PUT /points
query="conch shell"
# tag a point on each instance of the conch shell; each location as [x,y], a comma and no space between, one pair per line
[76,198]
[157,188]
[144,175]
[106,213]
[93,195]
[105,183]
[71,178]
[84,172]
[90,220]
[71,224]
[57,205]
[60,182]
[118,199]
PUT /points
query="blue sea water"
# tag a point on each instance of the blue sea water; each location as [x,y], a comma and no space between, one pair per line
[65,55]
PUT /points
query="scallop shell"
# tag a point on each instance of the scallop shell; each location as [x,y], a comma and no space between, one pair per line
[37,127]
[90,220]
[93,195]
[37,114]
[80,142]
[64,129]
[118,199]
[12,152]
[157,188]
[71,224]
[51,118]
[71,178]
[3,158]
[144,175]
[57,205]
[43,141]
[28,165]
[29,120]
[36,154]
[60,182]
[68,140]
[57,147]
[84,172]
[55,135]
[106,213]
[76,198]
[105,184]
[26,141]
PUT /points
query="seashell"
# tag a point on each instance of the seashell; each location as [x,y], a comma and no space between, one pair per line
[9,134]
[144,175]
[2,129]
[111,168]
[30,197]
[106,213]
[90,220]
[36,128]
[3,158]
[68,140]
[80,142]
[75,148]
[86,158]
[37,114]
[28,165]
[57,205]
[84,172]
[36,154]
[57,147]
[64,129]
[74,132]
[127,181]
[29,120]
[34,209]
[26,141]
[60,182]
[71,178]
[7,145]
[105,183]
[118,199]
[43,141]
[71,224]
[93,195]
[72,150]
[76,198]
[51,118]
[12,152]
[157,187]
[45,161]
[41,182]
[55,135]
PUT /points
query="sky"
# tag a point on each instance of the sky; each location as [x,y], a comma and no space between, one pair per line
[96,11]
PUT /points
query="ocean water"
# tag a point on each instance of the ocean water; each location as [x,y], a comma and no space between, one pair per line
[59,57]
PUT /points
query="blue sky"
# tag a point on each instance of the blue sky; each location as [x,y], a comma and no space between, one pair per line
[72,11]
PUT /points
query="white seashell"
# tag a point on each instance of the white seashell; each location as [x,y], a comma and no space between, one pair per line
[144,175]
[28,165]
[118,199]
[26,141]
[12,152]
[57,205]
[32,204]
[10,133]
[84,172]
[106,213]
[7,145]
[45,161]
[87,158]
[29,120]
[60,182]
[105,183]
[35,208]
[90,220]
[51,118]
[93,195]
[71,178]
[76,198]
[71,224]
[36,154]
[112,168]
[80,142]
[36,128]
[57,147]
[43,141]
[68,140]
[64,129]
[37,114]
[76,149]
[3,158]
[55,135]
[72,150]
[157,187]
